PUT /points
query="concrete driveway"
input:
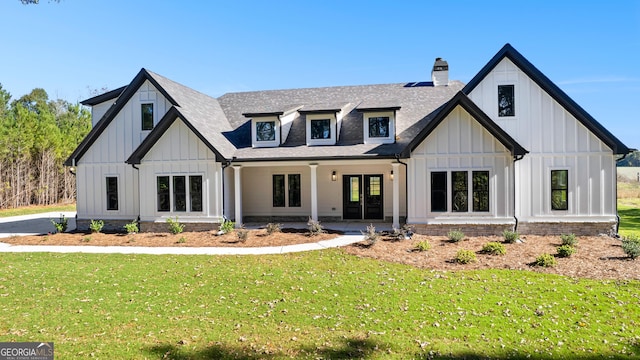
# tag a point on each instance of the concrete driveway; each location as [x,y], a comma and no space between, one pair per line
[34,224]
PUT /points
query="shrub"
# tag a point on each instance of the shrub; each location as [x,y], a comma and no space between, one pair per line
[566,250]
[243,234]
[371,235]
[96,226]
[315,228]
[86,239]
[464,256]
[174,226]
[423,245]
[227,226]
[510,237]
[545,260]
[132,227]
[569,239]
[631,246]
[494,248]
[273,228]
[182,240]
[455,235]
[61,225]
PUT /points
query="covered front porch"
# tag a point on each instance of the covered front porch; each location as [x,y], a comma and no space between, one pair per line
[331,191]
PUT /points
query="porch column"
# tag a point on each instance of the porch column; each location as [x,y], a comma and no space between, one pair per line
[237,187]
[314,191]
[396,195]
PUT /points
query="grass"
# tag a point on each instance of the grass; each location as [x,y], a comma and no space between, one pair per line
[27,210]
[322,304]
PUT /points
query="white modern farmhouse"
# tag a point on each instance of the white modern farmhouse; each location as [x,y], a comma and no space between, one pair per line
[507,150]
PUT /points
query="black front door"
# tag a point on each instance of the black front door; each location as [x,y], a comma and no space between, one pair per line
[362,197]
[351,194]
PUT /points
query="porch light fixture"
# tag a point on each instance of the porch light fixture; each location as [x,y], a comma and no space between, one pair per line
[391,175]
[334,177]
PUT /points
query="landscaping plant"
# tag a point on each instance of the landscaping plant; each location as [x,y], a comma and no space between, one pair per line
[315,228]
[227,226]
[569,239]
[631,246]
[61,225]
[423,245]
[545,260]
[464,256]
[455,235]
[371,235]
[566,250]
[509,236]
[175,227]
[96,226]
[273,228]
[132,227]
[494,248]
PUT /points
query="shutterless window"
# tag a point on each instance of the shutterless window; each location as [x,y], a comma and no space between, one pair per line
[506,100]
[179,193]
[480,194]
[164,202]
[559,189]
[321,129]
[294,190]
[147,116]
[278,191]
[195,193]
[112,193]
[439,191]
[379,126]
[460,191]
[265,131]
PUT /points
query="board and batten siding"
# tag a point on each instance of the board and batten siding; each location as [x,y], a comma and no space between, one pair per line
[179,152]
[460,143]
[107,156]
[556,140]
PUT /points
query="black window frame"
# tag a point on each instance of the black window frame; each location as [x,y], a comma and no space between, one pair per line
[375,123]
[195,193]
[481,190]
[320,129]
[163,193]
[278,194]
[460,191]
[260,131]
[286,190]
[112,193]
[439,199]
[506,100]
[559,190]
[146,117]
[293,190]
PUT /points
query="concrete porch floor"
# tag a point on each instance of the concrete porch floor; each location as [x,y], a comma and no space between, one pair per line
[346,227]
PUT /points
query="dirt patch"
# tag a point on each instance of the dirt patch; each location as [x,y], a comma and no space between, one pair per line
[599,257]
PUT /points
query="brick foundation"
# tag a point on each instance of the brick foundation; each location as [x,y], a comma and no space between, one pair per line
[467,229]
[160,227]
[109,225]
[577,228]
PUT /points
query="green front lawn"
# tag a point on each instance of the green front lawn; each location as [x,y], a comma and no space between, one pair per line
[629,212]
[27,210]
[322,304]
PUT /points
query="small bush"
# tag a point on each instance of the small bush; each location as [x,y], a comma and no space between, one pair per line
[96,226]
[227,226]
[464,256]
[569,239]
[509,236]
[494,248]
[566,251]
[371,235]
[397,234]
[423,245]
[243,234]
[182,240]
[455,235]
[132,227]
[545,260]
[174,226]
[86,239]
[315,228]
[273,228]
[61,225]
[631,246]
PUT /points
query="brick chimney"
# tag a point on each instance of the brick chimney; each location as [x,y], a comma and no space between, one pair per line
[440,73]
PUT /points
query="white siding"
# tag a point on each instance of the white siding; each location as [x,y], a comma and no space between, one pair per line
[107,156]
[556,141]
[460,143]
[179,152]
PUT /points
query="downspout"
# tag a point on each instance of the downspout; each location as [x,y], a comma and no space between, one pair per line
[406,188]
[225,164]
[138,169]
[515,159]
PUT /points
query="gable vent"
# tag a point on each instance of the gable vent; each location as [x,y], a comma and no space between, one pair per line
[440,72]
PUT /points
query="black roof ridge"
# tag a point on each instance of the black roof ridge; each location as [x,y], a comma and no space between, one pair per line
[553,90]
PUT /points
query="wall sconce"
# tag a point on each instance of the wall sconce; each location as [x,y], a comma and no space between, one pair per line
[334,177]
[391,175]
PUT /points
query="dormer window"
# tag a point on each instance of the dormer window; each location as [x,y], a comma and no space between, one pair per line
[379,127]
[378,122]
[265,130]
[320,129]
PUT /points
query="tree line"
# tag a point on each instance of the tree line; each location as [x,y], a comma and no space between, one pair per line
[36,137]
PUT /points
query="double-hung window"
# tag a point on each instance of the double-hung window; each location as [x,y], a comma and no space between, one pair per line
[179,193]
[286,190]
[458,193]
[559,189]
[112,193]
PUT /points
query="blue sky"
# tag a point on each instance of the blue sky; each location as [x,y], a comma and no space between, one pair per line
[591,49]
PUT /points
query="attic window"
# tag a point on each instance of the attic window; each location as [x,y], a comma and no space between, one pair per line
[147,116]
[265,130]
[506,100]
[321,129]
[379,127]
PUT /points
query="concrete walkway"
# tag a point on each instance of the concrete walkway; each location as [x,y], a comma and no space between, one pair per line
[41,224]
